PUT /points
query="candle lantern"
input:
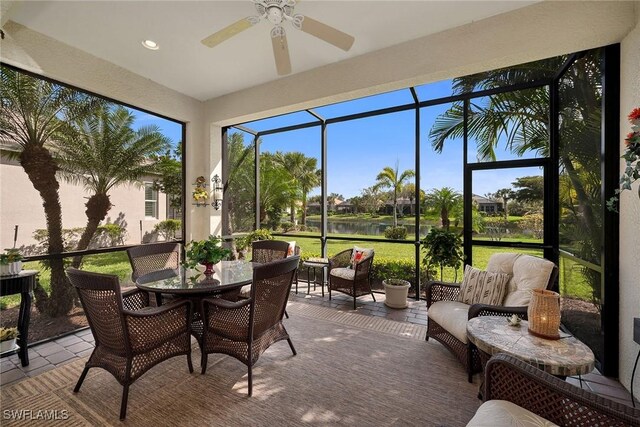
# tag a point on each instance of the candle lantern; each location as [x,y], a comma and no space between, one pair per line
[544,314]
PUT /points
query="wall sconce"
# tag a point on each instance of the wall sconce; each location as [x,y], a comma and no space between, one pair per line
[544,314]
[217,192]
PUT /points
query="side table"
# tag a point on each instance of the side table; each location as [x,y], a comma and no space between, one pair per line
[562,358]
[314,263]
[23,284]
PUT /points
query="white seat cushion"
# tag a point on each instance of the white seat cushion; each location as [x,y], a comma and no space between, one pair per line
[452,316]
[343,273]
[529,272]
[245,291]
[501,413]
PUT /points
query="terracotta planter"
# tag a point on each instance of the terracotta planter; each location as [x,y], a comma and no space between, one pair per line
[396,291]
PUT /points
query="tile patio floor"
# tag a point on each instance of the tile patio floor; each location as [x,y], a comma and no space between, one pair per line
[47,356]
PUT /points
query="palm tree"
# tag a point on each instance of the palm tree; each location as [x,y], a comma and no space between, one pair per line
[391,178]
[33,114]
[276,188]
[308,180]
[505,194]
[104,152]
[444,200]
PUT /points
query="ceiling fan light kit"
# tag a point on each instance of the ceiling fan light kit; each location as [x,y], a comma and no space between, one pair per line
[276,12]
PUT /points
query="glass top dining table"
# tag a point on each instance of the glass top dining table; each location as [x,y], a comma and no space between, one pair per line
[227,275]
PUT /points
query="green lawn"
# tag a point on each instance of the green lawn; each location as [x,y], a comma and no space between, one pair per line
[110,263]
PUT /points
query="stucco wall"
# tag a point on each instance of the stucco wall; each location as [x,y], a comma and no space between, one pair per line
[20,204]
[38,53]
[629,211]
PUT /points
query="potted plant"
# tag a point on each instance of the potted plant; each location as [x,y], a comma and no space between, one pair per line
[206,252]
[8,339]
[443,248]
[13,259]
[396,291]
[4,265]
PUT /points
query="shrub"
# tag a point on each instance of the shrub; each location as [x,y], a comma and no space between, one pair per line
[396,233]
[443,248]
[287,226]
[245,242]
[115,234]
[168,228]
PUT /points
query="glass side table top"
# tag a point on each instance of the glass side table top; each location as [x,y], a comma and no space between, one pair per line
[227,275]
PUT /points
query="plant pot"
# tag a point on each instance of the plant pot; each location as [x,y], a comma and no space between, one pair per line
[15,267]
[5,269]
[7,345]
[396,291]
[208,269]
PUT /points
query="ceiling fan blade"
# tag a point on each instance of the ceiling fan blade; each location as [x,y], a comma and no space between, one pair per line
[227,32]
[327,33]
[281,54]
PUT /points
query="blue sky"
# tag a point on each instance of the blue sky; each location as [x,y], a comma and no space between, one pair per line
[358,150]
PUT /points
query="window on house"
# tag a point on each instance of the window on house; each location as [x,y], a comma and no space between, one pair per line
[150,201]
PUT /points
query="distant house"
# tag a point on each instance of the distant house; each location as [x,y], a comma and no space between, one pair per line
[487,205]
[404,206]
[136,208]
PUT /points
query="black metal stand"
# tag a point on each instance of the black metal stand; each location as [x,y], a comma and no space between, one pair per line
[22,284]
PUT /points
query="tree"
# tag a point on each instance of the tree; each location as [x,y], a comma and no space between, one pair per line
[105,152]
[33,114]
[443,200]
[372,199]
[393,179]
[169,166]
[529,189]
[276,190]
[505,194]
[305,176]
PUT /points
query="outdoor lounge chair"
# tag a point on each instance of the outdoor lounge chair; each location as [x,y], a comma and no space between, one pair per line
[351,276]
[246,328]
[517,393]
[447,317]
[130,337]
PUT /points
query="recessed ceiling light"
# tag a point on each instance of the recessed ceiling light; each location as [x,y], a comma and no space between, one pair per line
[150,44]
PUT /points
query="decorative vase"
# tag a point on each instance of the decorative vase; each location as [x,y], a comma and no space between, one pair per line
[208,269]
[544,314]
[396,291]
[5,269]
[7,345]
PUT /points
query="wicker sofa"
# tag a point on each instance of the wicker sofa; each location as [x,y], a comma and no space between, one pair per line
[447,317]
[516,393]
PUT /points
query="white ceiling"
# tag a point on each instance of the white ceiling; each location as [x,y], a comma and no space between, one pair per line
[113,30]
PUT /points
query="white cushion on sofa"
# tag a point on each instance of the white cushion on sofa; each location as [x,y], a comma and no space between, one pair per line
[343,273]
[529,272]
[501,413]
[452,316]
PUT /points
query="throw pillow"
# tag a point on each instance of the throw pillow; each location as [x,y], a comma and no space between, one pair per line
[483,287]
[358,254]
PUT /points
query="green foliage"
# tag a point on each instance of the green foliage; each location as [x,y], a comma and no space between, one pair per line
[395,233]
[442,248]
[287,226]
[12,255]
[70,237]
[168,228]
[115,232]
[205,252]
[261,234]
[169,166]
[444,201]
[8,334]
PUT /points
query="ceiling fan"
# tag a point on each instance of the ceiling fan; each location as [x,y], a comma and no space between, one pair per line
[277,12]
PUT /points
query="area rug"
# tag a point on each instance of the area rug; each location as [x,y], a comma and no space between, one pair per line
[351,370]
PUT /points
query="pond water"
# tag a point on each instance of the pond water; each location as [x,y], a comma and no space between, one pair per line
[369,227]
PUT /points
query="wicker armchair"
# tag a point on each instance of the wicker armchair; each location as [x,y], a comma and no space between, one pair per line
[130,336]
[245,329]
[355,282]
[146,259]
[456,341]
[513,387]
[263,251]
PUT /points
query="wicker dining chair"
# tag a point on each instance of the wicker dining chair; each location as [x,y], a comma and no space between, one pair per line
[264,251]
[355,281]
[246,328]
[148,258]
[130,337]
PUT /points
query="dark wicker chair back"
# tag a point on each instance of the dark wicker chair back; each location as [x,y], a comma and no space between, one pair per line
[129,340]
[102,302]
[246,328]
[153,257]
[270,291]
[264,251]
